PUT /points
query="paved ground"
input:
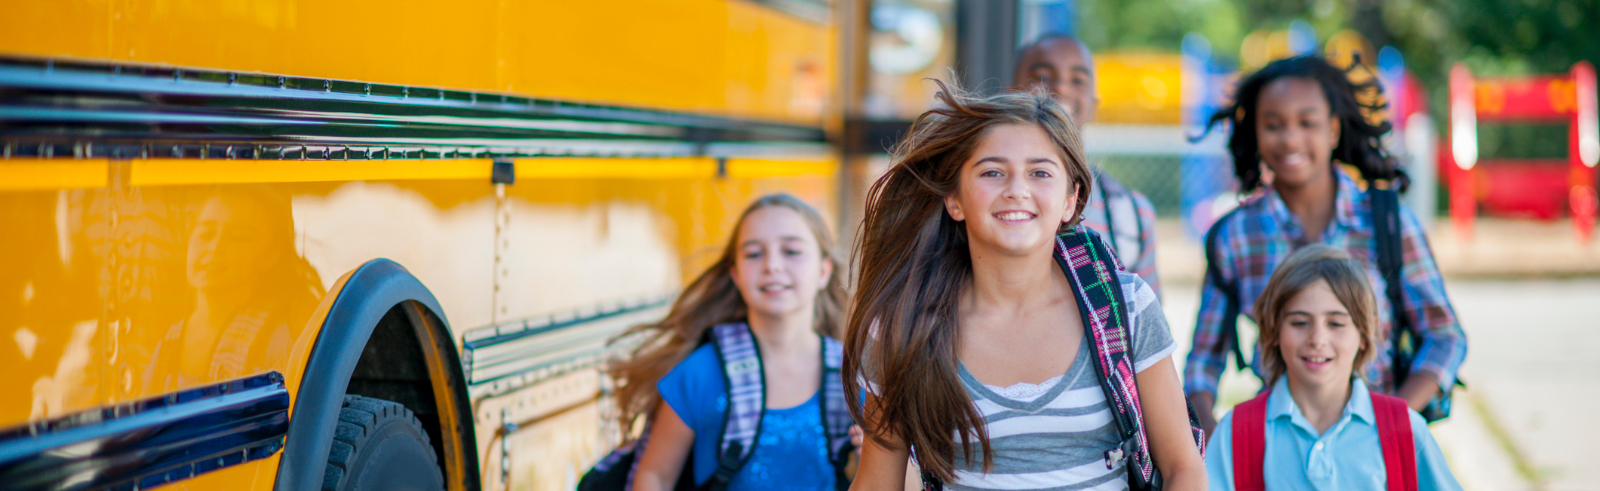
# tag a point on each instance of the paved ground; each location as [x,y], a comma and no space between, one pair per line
[1529,298]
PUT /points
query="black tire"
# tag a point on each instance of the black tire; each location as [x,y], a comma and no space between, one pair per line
[380,445]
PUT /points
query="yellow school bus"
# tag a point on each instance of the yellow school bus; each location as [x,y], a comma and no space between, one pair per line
[292,245]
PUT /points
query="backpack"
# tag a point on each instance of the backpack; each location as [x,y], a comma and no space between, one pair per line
[1120,208]
[1394,436]
[1091,266]
[742,371]
[1390,259]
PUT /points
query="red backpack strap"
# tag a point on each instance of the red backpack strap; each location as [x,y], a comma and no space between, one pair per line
[1250,444]
[1399,449]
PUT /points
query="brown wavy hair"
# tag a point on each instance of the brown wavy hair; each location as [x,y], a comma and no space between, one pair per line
[711,299]
[1303,268]
[913,265]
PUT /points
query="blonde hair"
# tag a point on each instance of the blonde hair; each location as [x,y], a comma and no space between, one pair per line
[1303,268]
[711,299]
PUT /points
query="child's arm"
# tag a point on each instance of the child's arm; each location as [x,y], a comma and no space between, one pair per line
[1433,473]
[1441,343]
[1167,424]
[1210,345]
[670,443]
[883,458]
[1219,456]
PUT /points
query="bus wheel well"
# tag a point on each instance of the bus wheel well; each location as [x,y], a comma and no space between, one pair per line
[392,368]
[384,336]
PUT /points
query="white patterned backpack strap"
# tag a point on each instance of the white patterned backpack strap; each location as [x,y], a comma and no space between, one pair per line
[836,420]
[747,399]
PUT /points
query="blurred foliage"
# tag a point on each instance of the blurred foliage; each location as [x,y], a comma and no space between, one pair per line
[1493,37]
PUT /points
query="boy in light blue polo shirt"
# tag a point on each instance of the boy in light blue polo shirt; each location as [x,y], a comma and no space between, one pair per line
[1320,428]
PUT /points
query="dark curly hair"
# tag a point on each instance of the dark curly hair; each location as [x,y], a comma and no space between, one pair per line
[1360,143]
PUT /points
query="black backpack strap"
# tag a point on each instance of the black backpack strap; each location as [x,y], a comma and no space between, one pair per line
[836,420]
[1089,263]
[747,400]
[1386,224]
[1229,289]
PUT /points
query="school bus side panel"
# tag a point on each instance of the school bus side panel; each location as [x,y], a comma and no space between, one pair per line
[731,57]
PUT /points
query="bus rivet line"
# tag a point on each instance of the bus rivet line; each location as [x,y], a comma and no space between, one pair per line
[505,447]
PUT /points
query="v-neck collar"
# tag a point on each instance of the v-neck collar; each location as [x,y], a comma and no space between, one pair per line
[1346,194]
[1074,372]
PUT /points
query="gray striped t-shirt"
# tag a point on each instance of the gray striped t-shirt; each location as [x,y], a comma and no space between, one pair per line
[1054,435]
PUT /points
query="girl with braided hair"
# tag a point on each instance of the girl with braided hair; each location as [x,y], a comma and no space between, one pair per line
[1290,122]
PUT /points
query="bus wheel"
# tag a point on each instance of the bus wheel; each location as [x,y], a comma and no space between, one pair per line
[380,445]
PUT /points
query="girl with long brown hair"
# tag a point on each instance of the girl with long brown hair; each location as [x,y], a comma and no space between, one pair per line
[775,280]
[963,327]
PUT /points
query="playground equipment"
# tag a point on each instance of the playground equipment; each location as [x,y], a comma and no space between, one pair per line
[1539,186]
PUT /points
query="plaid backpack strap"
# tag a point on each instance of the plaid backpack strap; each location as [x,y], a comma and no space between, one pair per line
[743,372]
[1087,261]
[836,420]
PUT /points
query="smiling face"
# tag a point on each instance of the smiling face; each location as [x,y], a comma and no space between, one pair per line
[1318,338]
[1296,131]
[1063,66]
[1014,191]
[778,265]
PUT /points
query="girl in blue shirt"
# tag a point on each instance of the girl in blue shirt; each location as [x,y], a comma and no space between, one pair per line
[1317,317]
[776,275]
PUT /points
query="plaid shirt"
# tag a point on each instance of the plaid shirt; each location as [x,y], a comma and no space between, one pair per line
[1257,238]
[1134,221]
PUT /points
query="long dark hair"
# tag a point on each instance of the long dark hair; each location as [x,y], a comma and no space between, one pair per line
[913,266]
[1355,104]
[711,299]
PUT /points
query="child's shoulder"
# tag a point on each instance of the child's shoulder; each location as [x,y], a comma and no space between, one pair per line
[701,366]
[1135,290]
[703,357]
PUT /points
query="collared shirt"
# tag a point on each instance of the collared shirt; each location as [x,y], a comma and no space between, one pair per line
[1258,237]
[1348,456]
[1128,224]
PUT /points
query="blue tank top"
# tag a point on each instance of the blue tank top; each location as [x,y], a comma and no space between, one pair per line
[790,453]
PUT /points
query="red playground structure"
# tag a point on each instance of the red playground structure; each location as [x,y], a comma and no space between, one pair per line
[1538,187]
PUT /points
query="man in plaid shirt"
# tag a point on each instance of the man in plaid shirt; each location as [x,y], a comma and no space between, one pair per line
[1255,239]
[1064,66]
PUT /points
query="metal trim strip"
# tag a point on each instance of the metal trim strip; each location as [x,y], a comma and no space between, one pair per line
[496,360]
[96,110]
[149,442]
